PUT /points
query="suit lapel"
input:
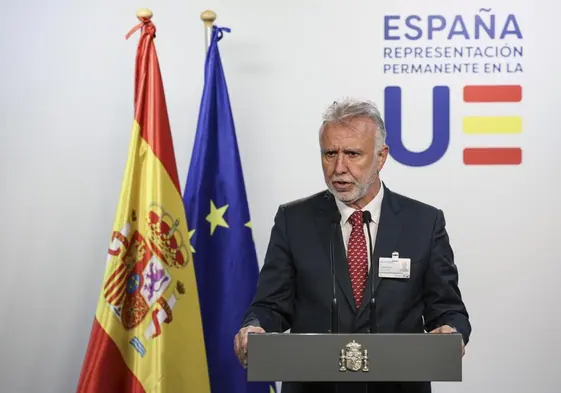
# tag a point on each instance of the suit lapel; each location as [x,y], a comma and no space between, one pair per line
[324,225]
[389,229]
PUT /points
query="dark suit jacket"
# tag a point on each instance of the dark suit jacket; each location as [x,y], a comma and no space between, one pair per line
[294,290]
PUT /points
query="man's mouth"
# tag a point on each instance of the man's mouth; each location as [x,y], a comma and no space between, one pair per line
[342,185]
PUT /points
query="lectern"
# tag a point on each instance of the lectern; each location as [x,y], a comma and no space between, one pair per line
[291,357]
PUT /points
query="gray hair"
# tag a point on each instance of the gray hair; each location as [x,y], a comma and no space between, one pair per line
[344,110]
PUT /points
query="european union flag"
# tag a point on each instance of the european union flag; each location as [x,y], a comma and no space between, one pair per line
[218,217]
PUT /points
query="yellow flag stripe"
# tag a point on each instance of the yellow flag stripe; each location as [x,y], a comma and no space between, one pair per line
[492,125]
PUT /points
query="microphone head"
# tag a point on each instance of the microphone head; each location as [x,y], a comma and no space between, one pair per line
[366,217]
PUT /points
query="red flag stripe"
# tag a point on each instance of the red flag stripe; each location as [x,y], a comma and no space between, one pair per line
[492,93]
[493,156]
[151,110]
[104,359]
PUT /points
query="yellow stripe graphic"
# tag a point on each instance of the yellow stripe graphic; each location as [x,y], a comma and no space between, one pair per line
[492,125]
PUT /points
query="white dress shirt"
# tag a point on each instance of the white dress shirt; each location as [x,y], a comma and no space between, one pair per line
[374,207]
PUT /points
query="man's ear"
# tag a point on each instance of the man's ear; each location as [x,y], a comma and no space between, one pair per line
[382,156]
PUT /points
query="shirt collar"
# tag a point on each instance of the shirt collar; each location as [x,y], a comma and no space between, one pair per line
[374,207]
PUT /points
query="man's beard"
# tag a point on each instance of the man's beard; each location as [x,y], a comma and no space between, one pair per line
[359,190]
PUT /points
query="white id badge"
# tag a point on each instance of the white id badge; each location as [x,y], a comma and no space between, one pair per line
[394,267]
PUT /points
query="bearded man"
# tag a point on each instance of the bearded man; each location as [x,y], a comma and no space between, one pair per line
[295,291]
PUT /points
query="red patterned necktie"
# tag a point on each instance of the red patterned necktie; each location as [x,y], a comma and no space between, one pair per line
[357,256]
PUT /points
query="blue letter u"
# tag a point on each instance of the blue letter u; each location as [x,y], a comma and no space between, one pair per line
[440,127]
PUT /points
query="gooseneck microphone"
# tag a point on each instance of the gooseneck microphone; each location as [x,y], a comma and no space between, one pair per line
[335,221]
[366,219]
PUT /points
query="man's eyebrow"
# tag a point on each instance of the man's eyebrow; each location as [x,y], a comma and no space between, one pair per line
[347,150]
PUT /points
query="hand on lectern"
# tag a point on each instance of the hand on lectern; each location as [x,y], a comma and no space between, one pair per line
[446,329]
[240,342]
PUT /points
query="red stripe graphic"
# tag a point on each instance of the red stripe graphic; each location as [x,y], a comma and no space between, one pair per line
[117,271]
[117,294]
[115,285]
[104,369]
[492,93]
[119,300]
[157,327]
[493,156]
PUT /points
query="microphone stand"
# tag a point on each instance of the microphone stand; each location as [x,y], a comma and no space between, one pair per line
[367,218]
[334,306]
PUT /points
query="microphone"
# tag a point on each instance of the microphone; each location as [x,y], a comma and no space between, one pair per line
[335,220]
[366,219]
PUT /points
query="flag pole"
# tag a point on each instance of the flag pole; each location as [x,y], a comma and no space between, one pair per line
[208,17]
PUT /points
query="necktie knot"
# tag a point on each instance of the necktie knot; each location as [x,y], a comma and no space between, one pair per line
[356,218]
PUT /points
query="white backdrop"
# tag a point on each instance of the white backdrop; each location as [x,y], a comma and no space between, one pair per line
[65,117]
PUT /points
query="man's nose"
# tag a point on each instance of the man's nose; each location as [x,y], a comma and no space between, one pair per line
[341,164]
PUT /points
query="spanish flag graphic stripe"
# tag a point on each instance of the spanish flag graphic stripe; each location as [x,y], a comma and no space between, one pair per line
[115,285]
[492,93]
[149,340]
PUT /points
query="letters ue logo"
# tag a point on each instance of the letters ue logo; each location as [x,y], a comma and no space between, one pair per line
[393,114]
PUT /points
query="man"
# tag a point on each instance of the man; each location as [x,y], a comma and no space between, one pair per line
[295,286]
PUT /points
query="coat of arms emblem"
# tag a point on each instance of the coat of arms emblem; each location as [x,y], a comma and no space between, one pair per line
[142,284]
[353,358]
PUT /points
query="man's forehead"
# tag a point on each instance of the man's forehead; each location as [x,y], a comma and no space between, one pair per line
[353,142]
[343,134]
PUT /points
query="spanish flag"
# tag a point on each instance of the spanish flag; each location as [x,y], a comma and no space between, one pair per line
[147,333]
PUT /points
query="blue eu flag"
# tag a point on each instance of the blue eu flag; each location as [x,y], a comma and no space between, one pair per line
[218,217]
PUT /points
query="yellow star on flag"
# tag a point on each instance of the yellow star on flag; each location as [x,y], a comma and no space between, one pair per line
[216,217]
[249,224]
[191,233]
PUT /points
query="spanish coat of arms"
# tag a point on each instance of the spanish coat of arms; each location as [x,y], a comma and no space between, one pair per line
[135,288]
[353,358]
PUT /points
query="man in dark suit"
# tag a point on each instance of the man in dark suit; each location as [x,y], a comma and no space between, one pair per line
[295,286]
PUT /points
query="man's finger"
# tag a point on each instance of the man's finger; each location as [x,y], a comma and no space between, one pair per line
[242,357]
[243,347]
[236,343]
[244,341]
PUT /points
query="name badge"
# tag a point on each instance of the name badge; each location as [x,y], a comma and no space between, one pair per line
[394,267]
